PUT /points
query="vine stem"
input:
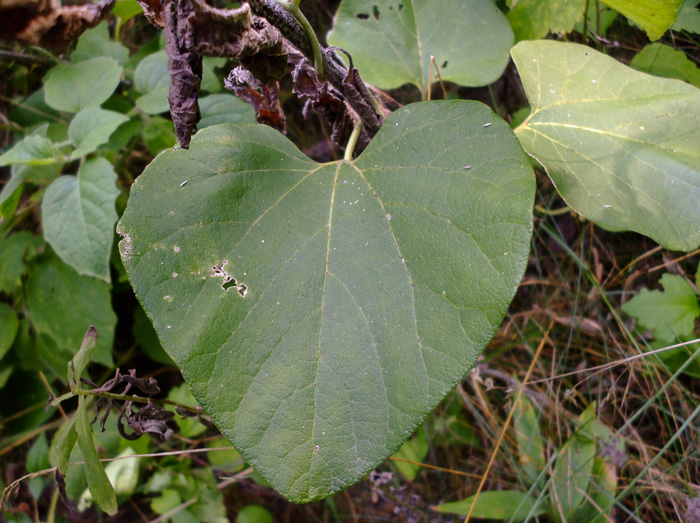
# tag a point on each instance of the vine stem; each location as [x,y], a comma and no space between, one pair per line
[352,142]
[138,399]
[293,7]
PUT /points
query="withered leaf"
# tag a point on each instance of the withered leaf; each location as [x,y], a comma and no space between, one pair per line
[265,99]
[47,23]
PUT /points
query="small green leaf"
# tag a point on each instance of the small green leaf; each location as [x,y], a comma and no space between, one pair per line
[15,250]
[38,455]
[10,195]
[254,514]
[670,313]
[528,438]
[415,449]
[598,505]
[228,459]
[688,17]
[64,447]
[95,43]
[224,108]
[665,61]
[123,475]
[125,10]
[391,43]
[32,150]
[79,216]
[74,87]
[620,145]
[655,16]
[91,128]
[158,134]
[98,482]
[62,304]
[152,72]
[320,311]
[82,358]
[212,80]
[497,504]
[154,102]
[533,19]
[8,328]
[168,500]
[571,477]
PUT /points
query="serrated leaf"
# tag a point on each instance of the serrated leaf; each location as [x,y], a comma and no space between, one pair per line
[321,311]
[79,216]
[571,477]
[655,16]
[91,128]
[76,86]
[670,313]
[509,505]
[662,60]
[391,42]
[533,19]
[95,43]
[101,489]
[62,304]
[688,17]
[8,328]
[620,145]
[224,108]
[32,150]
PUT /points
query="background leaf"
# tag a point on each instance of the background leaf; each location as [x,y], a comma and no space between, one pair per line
[82,301]
[391,41]
[396,269]
[95,43]
[571,477]
[79,216]
[528,438]
[497,504]
[655,16]
[688,17]
[32,150]
[621,146]
[153,80]
[8,328]
[76,86]
[415,449]
[91,128]
[663,60]
[533,19]
[224,108]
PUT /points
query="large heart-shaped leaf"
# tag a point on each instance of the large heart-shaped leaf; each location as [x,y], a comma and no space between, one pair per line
[620,145]
[391,41]
[320,311]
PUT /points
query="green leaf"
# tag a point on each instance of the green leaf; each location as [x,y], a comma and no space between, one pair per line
[254,514]
[224,108]
[148,339]
[158,134]
[9,197]
[32,150]
[662,60]
[655,16]
[597,507]
[497,504]
[14,251]
[571,477]
[528,438]
[391,43]
[82,357]
[670,313]
[211,79]
[62,304]
[98,482]
[95,43]
[415,449]
[8,328]
[38,455]
[688,17]
[79,216]
[74,87]
[620,145]
[321,311]
[91,128]
[152,72]
[125,10]
[154,102]
[66,442]
[533,19]
[123,475]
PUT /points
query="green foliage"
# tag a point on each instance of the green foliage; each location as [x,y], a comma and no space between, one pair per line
[508,505]
[91,128]
[670,316]
[415,449]
[621,146]
[688,17]
[74,87]
[662,60]
[655,16]
[79,217]
[392,42]
[534,19]
[346,247]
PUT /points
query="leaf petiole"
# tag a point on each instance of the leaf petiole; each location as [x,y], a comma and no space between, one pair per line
[292,6]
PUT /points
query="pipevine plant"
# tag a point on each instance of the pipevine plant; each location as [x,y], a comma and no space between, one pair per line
[320,311]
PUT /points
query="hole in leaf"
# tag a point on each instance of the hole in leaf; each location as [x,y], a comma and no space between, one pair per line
[242,290]
[400,7]
[375,12]
[228,283]
[444,64]
[362,16]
